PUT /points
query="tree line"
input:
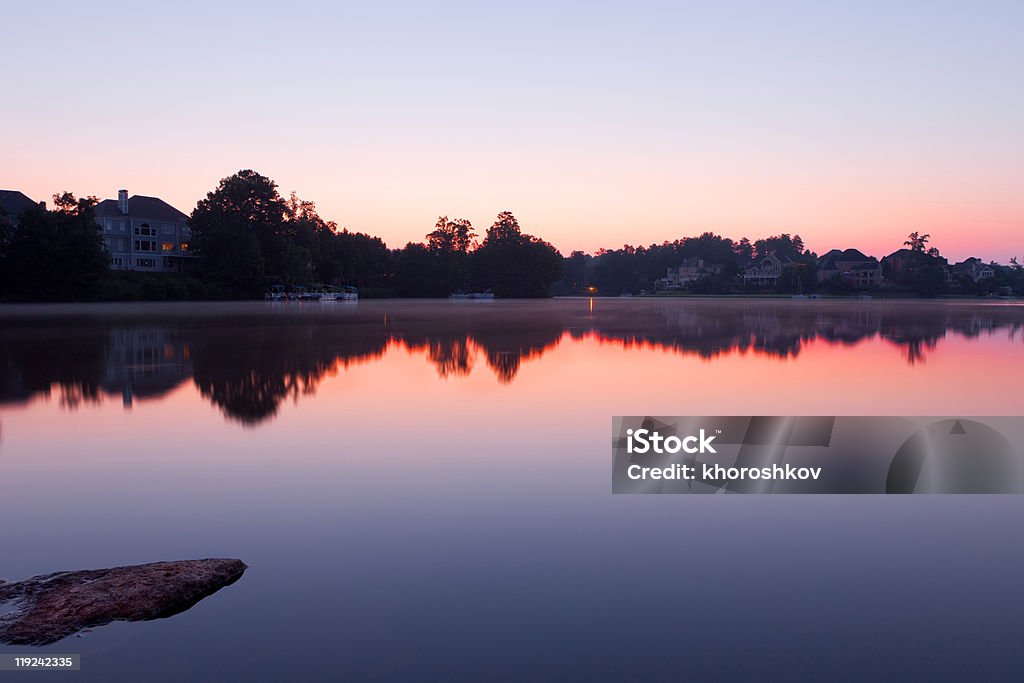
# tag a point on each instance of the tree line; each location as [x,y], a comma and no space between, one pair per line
[250,237]
[637,269]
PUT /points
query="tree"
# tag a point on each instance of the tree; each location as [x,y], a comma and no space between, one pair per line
[239,230]
[916,241]
[781,245]
[418,273]
[514,264]
[575,273]
[355,258]
[451,236]
[450,244]
[744,251]
[710,247]
[55,255]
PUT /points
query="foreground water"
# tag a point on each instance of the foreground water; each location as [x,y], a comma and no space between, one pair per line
[422,489]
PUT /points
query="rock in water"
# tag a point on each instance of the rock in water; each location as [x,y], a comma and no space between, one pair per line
[44,609]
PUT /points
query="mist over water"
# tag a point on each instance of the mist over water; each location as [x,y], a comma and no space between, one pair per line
[422,489]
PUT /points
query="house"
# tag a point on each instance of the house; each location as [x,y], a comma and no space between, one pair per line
[12,204]
[896,263]
[766,271]
[145,233]
[898,260]
[850,265]
[690,270]
[974,267]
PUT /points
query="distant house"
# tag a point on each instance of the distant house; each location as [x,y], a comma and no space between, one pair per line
[13,204]
[766,271]
[145,233]
[850,265]
[896,263]
[690,270]
[974,267]
[898,260]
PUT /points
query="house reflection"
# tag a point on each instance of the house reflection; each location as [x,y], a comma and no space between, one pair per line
[249,363]
[144,362]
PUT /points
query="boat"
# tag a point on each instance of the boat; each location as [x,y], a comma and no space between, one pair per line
[276,293]
[326,293]
[347,294]
[296,293]
[484,296]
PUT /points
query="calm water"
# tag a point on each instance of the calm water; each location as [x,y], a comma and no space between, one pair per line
[422,489]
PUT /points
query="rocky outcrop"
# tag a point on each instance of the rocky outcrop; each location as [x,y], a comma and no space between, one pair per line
[44,609]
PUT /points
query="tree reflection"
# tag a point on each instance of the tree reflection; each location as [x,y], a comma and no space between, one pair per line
[248,365]
[249,372]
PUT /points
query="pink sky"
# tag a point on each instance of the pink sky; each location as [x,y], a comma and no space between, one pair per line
[575,209]
[848,125]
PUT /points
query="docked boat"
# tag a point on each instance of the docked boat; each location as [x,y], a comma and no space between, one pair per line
[276,293]
[484,296]
[330,293]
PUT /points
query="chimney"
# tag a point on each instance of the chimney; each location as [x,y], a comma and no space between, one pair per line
[122,201]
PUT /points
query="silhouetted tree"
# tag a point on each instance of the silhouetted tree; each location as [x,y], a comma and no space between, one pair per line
[916,241]
[239,231]
[514,264]
[575,273]
[55,255]
[744,251]
[450,245]
[418,272]
[781,245]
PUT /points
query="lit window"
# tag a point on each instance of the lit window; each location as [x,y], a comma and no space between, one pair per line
[168,246]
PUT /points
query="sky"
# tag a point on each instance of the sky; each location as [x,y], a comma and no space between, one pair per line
[597,124]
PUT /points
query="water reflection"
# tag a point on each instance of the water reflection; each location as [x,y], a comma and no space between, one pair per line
[247,359]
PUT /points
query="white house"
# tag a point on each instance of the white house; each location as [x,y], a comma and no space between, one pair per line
[765,272]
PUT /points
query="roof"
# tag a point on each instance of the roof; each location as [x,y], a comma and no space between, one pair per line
[142,207]
[14,202]
[852,258]
[854,255]
[971,264]
[829,254]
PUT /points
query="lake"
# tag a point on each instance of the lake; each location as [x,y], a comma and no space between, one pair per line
[422,489]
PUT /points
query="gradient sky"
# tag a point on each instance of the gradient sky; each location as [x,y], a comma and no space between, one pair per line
[850,123]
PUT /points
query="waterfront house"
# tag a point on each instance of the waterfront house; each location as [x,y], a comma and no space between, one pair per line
[13,203]
[896,263]
[145,234]
[690,270]
[974,267]
[850,265]
[766,271]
